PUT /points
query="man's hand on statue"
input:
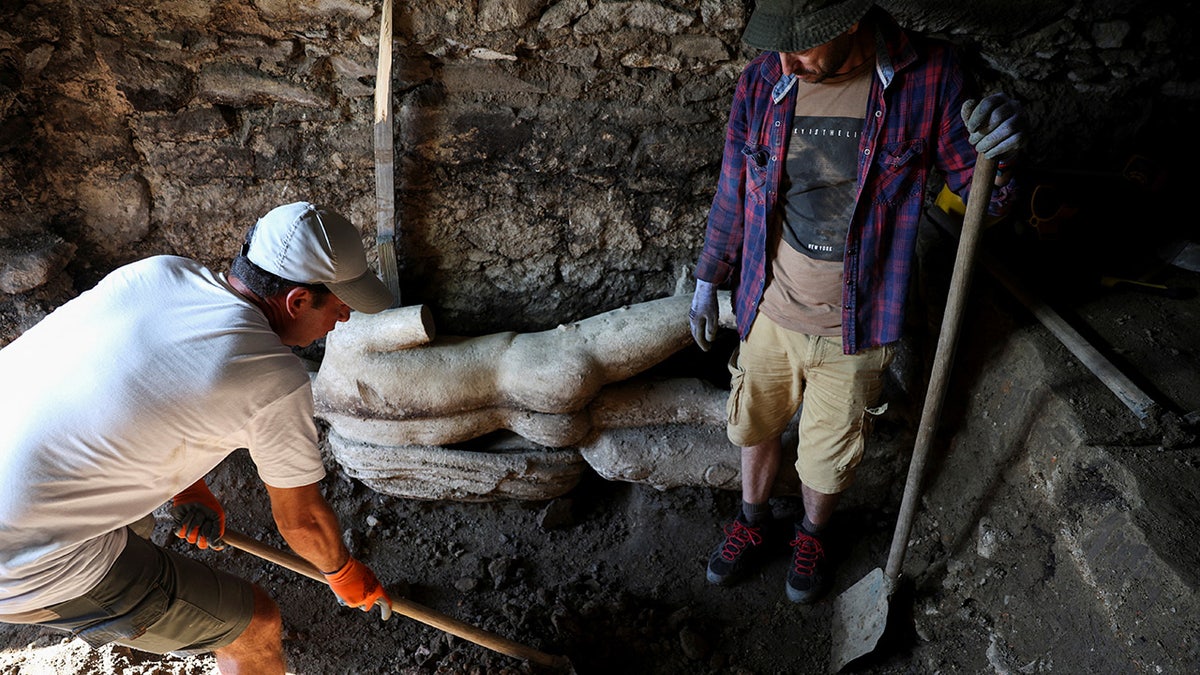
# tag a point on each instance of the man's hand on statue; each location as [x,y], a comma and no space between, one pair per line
[355,585]
[996,125]
[703,315]
[199,517]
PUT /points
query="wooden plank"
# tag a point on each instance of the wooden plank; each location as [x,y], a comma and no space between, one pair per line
[1138,401]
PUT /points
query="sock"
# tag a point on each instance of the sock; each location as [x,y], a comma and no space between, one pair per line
[810,529]
[756,514]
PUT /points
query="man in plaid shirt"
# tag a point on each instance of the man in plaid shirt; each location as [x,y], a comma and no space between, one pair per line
[832,136]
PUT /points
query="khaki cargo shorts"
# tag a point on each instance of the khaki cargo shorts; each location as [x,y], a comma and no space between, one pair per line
[158,601]
[775,370]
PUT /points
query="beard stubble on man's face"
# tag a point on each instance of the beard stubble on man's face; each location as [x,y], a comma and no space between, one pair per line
[830,63]
[821,63]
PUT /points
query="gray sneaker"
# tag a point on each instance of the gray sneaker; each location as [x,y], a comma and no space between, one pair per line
[742,544]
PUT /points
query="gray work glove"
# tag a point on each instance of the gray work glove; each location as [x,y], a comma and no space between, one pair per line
[198,517]
[703,315]
[996,125]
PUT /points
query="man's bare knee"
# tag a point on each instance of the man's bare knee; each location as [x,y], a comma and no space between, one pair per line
[259,649]
[266,626]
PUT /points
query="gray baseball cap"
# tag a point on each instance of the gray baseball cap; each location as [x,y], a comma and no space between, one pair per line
[306,244]
[798,25]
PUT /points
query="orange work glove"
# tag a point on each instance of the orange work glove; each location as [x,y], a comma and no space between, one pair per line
[356,586]
[199,517]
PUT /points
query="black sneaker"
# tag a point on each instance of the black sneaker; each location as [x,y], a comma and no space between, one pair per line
[806,576]
[742,543]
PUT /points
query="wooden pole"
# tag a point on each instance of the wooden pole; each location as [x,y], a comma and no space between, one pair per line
[385,189]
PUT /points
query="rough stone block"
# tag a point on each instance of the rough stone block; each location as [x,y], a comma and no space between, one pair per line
[29,262]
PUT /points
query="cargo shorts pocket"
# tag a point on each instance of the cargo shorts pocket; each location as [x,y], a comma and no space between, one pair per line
[737,377]
[127,625]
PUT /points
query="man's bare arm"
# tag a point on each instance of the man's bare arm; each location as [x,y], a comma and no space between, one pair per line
[309,525]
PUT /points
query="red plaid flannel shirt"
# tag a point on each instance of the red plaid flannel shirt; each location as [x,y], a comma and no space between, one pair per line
[912,126]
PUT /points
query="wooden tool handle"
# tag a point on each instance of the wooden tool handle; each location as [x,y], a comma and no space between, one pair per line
[960,281]
[412,610]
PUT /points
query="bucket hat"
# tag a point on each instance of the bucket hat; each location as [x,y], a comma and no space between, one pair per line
[798,25]
[305,244]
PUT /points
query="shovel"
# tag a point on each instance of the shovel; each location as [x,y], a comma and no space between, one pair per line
[412,610]
[860,613]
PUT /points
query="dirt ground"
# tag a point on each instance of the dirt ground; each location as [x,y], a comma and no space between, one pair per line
[611,575]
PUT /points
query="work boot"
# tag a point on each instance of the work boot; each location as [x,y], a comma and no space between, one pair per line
[806,577]
[743,543]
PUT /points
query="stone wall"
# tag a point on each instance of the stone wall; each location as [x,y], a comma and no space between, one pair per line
[553,159]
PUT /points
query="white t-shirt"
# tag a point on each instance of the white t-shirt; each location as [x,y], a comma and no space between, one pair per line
[123,397]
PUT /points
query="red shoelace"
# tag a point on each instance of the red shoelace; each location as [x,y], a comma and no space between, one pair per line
[808,552]
[737,537]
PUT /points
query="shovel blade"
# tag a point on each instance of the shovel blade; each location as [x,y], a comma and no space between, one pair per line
[859,618]
[1182,254]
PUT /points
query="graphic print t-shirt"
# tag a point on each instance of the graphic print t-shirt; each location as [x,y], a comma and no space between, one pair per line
[805,291]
